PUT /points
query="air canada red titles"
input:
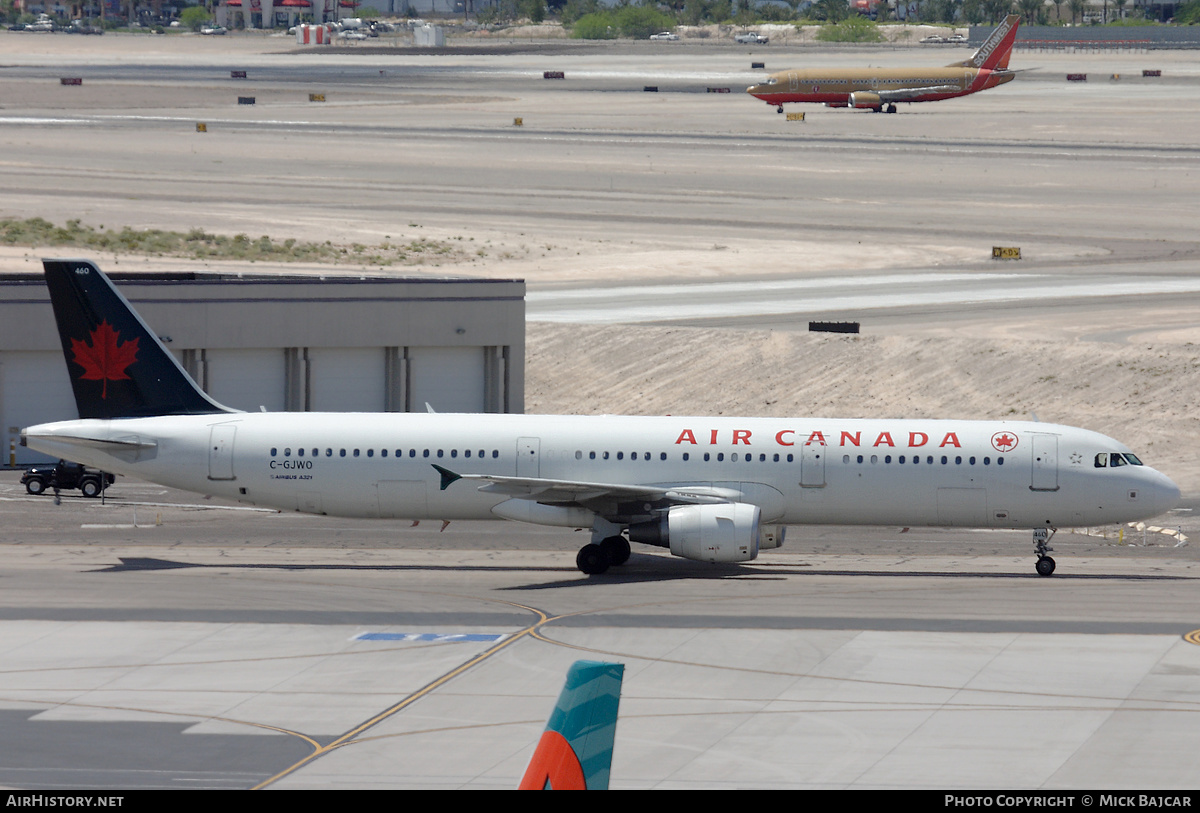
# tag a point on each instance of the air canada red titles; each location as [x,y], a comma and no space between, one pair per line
[791,437]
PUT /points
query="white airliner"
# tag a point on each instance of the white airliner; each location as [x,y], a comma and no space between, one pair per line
[710,489]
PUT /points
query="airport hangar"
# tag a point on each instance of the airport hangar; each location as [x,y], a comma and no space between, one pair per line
[332,343]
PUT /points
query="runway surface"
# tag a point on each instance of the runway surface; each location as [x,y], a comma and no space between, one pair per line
[158,641]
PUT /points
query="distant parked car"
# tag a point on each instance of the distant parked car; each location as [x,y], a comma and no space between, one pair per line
[214,30]
[68,476]
[352,34]
[751,38]
[664,35]
[957,39]
[933,39]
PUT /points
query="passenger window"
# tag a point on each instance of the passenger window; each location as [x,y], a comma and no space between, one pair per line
[720,457]
[356,452]
[274,451]
[341,453]
[662,455]
[370,452]
[685,457]
[454,452]
[287,452]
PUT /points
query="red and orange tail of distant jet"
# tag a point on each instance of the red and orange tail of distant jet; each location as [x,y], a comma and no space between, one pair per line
[880,89]
[575,751]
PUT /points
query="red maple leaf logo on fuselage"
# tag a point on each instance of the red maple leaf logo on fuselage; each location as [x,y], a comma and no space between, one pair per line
[104,359]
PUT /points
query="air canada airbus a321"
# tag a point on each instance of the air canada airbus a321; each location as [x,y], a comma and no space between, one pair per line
[879,89]
[709,489]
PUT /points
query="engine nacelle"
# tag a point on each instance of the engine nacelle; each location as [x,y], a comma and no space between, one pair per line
[725,532]
[771,536]
[864,99]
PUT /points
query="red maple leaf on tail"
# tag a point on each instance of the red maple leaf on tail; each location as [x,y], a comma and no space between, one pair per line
[104,359]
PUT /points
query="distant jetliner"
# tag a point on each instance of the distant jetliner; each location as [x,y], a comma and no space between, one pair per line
[713,489]
[879,89]
[576,749]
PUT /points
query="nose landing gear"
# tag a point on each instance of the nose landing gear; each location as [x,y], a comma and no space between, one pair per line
[1041,545]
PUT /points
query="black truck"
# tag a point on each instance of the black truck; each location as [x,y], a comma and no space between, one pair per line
[66,475]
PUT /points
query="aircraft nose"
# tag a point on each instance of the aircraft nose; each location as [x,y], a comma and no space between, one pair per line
[1166,493]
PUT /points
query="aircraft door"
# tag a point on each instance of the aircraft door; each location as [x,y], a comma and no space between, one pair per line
[220,452]
[1044,476]
[812,465]
[528,460]
[793,82]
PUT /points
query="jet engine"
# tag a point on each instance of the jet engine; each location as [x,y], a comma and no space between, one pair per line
[725,532]
[864,99]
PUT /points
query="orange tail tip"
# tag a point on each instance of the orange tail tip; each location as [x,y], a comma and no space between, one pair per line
[575,751]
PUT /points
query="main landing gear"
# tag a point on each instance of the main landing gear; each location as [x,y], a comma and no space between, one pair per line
[595,558]
[890,108]
[1041,545]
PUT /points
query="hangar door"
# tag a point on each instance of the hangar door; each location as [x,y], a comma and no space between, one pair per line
[247,379]
[346,379]
[34,388]
[450,379]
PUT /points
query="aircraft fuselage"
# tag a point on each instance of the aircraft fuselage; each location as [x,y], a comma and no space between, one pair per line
[985,474]
[834,87]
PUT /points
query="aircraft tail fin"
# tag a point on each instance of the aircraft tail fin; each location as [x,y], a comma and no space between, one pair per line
[575,751]
[118,366]
[994,53]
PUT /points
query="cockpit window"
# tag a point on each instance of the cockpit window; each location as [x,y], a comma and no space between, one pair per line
[1114,459]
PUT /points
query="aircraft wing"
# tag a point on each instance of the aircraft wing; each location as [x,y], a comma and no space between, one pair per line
[905,94]
[558,492]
